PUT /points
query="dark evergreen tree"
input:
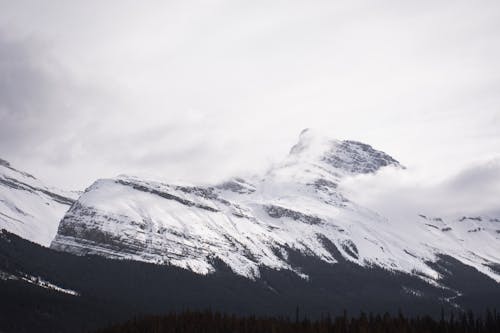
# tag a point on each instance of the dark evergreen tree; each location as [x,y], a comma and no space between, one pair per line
[215,322]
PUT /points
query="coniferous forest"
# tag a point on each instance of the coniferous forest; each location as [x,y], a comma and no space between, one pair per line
[215,322]
[113,291]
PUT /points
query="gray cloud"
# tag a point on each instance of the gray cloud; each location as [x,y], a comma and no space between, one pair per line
[26,90]
[402,194]
[198,90]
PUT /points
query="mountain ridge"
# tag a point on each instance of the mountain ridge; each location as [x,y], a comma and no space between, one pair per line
[30,208]
[249,223]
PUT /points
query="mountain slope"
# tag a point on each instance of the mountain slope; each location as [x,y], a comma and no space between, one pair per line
[106,291]
[253,224]
[29,208]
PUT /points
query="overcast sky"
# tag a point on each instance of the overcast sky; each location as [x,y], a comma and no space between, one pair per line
[198,90]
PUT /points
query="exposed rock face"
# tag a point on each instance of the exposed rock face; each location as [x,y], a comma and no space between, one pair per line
[357,157]
[28,207]
[251,223]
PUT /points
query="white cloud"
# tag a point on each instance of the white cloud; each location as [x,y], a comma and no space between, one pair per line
[402,194]
[198,90]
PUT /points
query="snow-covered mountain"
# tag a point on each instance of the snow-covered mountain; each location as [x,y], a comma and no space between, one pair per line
[253,223]
[28,207]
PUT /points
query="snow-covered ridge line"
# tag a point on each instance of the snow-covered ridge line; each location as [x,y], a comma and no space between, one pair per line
[19,185]
[253,223]
[28,207]
[7,165]
[170,196]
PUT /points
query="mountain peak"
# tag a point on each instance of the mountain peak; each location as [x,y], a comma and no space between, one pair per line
[347,156]
[312,142]
[358,157]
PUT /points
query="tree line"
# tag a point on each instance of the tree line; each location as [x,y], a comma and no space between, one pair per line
[216,322]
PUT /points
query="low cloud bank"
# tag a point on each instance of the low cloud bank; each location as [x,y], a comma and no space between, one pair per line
[401,194]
